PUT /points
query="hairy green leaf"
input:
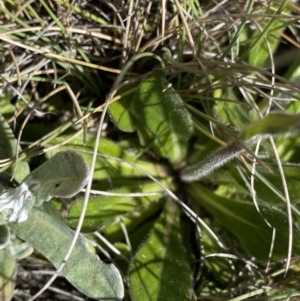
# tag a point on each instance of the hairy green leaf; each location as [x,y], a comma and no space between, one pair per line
[49,234]
[63,175]
[160,270]
[163,118]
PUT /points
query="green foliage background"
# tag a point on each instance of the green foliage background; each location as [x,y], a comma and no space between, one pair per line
[196,177]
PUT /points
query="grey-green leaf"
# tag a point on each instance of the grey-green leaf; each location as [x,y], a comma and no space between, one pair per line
[160,269]
[63,175]
[49,234]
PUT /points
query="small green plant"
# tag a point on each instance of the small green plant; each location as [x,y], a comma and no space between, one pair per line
[187,116]
[163,124]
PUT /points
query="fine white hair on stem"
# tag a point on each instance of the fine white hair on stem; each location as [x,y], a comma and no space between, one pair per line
[219,158]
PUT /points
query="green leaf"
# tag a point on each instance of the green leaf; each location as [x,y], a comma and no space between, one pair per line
[269,186]
[49,234]
[243,220]
[5,105]
[262,51]
[219,267]
[119,110]
[232,113]
[273,124]
[162,117]
[103,210]
[7,275]
[8,149]
[160,270]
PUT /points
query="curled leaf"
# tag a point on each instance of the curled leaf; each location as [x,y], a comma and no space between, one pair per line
[63,175]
